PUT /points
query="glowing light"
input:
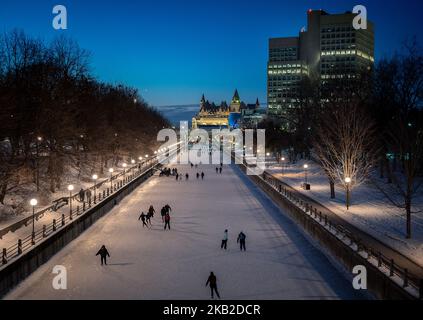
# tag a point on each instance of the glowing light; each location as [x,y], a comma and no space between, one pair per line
[306,166]
[111,170]
[347,180]
[70,187]
[95,177]
[33,202]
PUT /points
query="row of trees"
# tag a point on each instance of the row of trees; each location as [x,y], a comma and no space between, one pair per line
[353,126]
[56,118]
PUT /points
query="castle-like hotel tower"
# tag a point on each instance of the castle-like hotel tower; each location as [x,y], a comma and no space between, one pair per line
[213,116]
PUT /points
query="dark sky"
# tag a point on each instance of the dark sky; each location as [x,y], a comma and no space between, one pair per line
[173,51]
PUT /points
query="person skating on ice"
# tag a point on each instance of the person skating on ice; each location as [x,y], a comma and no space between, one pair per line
[224,244]
[167,221]
[103,254]
[212,282]
[142,217]
[151,211]
[241,240]
[163,213]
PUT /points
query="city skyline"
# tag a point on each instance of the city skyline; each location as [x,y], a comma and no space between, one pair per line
[198,48]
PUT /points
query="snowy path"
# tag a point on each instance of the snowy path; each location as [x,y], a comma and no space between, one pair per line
[279,263]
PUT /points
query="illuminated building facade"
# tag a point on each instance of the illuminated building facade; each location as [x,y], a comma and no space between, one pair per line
[330,48]
[213,116]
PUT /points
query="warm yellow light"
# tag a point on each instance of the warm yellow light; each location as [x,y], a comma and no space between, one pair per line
[111,170]
[33,202]
[95,177]
[306,166]
[70,187]
[347,180]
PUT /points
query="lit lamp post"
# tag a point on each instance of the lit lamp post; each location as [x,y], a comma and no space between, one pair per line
[305,172]
[111,170]
[95,177]
[124,165]
[33,203]
[70,189]
[347,184]
[39,140]
[283,164]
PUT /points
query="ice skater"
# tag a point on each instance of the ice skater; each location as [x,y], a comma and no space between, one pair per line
[103,255]
[198,176]
[241,240]
[167,221]
[163,213]
[151,211]
[168,208]
[202,175]
[217,170]
[220,170]
[148,218]
[187,176]
[142,217]
[212,282]
[224,244]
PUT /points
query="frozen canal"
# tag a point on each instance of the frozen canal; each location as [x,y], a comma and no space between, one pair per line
[279,263]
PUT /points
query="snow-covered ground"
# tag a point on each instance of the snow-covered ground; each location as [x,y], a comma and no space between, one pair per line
[280,262]
[11,238]
[370,210]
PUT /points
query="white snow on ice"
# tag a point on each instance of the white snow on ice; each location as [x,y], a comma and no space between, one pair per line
[280,262]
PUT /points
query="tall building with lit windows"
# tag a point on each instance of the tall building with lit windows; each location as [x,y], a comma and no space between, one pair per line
[329,48]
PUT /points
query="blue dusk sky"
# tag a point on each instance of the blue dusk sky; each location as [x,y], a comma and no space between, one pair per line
[173,51]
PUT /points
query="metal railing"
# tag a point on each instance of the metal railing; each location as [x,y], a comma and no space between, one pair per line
[376,258]
[385,265]
[33,239]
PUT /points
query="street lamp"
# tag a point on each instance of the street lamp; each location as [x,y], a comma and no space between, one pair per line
[348,183]
[95,177]
[111,170]
[305,172]
[283,164]
[124,165]
[33,203]
[70,189]
[39,140]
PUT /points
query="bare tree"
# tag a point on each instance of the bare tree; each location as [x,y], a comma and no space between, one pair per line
[400,86]
[345,144]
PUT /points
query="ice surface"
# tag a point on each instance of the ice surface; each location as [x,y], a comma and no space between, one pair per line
[280,262]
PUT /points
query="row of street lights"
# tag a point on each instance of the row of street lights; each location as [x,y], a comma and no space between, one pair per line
[71,188]
[347,181]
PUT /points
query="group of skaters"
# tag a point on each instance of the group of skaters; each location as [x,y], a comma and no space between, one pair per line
[240,239]
[165,213]
[169,172]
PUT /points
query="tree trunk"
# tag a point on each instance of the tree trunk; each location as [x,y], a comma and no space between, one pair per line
[332,189]
[3,191]
[381,165]
[408,213]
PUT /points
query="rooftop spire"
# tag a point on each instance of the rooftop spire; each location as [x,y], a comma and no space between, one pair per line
[236,99]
